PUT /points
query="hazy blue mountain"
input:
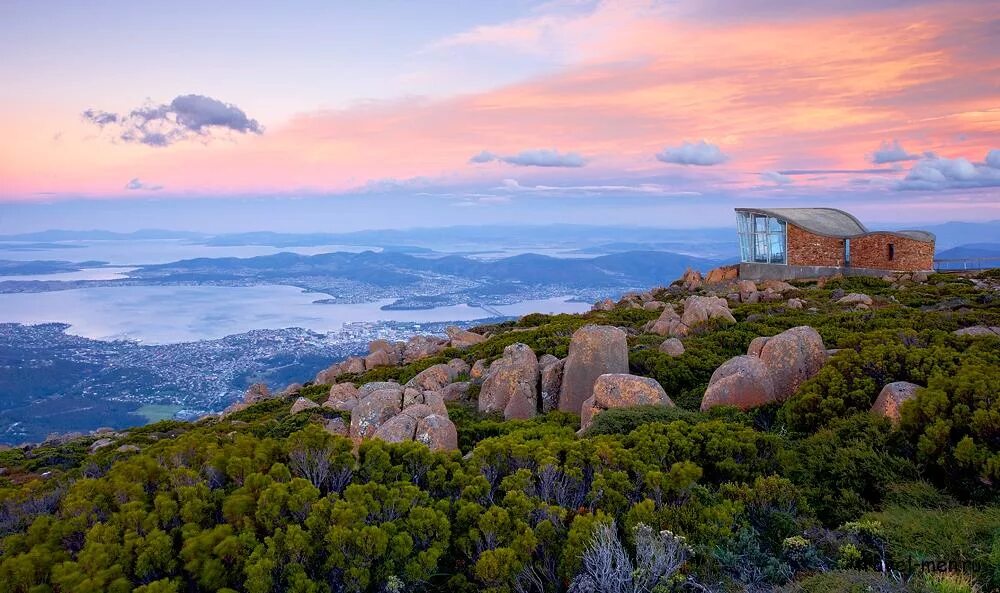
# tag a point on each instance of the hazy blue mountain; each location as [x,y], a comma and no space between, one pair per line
[9,267]
[99,235]
[971,250]
[953,234]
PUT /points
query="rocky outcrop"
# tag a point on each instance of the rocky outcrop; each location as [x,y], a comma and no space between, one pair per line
[511,385]
[978,330]
[257,392]
[772,370]
[374,409]
[654,305]
[455,391]
[691,280]
[461,338]
[343,397]
[478,370]
[336,427]
[722,274]
[393,414]
[459,366]
[594,350]
[667,324]
[747,288]
[892,397]
[302,404]
[795,303]
[419,347]
[621,390]
[672,347]
[437,432]
[551,371]
[700,309]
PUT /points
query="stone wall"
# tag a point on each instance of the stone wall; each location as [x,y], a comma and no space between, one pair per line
[909,255]
[870,251]
[807,249]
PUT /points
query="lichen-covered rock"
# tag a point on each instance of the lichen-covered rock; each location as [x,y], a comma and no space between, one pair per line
[919,277]
[778,286]
[433,377]
[746,288]
[699,309]
[302,404]
[257,392]
[380,358]
[757,344]
[672,347]
[668,324]
[419,347]
[551,382]
[654,305]
[454,392]
[435,401]
[621,390]
[604,305]
[369,388]
[511,385]
[354,365]
[791,357]
[594,350]
[374,410]
[459,366]
[855,299]
[412,395]
[978,330]
[437,432]
[336,427]
[742,381]
[795,303]
[461,338]
[100,444]
[892,397]
[478,370]
[328,375]
[397,429]
[343,397]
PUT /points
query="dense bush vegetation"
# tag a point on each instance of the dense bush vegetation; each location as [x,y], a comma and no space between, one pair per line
[814,494]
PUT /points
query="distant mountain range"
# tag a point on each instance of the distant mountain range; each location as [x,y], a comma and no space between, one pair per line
[971,250]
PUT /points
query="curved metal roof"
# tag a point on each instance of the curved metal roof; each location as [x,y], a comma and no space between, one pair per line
[830,222]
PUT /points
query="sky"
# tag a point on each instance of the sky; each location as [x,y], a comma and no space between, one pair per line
[334,116]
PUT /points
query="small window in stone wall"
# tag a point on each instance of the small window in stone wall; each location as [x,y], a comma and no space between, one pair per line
[892,251]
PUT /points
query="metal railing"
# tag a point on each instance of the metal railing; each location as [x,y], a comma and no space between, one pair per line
[966,263]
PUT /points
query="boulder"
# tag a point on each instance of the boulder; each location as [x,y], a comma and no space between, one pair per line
[511,385]
[892,397]
[336,427]
[381,358]
[722,274]
[100,444]
[302,404]
[374,410]
[369,388]
[672,347]
[791,357]
[756,345]
[778,286]
[699,309]
[551,382]
[291,389]
[433,378]
[343,397]
[654,305]
[603,305]
[855,299]
[621,390]
[412,395]
[691,280]
[594,350]
[417,411]
[437,432]
[478,370]
[459,366]
[419,347]
[454,392]
[919,277]
[771,296]
[978,330]
[397,429]
[354,365]
[668,324]
[795,303]
[742,381]
[461,338]
[328,375]
[435,402]
[257,392]
[746,288]
[128,449]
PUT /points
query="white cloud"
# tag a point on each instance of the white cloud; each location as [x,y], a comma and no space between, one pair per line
[136,184]
[938,173]
[538,157]
[892,153]
[776,177]
[701,153]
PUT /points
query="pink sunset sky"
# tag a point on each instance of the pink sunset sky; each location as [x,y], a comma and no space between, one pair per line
[890,108]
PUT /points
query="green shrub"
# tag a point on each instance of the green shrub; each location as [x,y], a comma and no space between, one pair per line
[625,420]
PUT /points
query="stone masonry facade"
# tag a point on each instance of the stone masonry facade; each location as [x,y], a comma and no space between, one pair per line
[870,251]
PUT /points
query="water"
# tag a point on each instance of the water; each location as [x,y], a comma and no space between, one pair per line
[173,314]
[108,273]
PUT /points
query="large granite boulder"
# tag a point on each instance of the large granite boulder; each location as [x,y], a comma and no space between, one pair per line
[343,397]
[978,330]
[397,429]
[594,350]
[742,381]
[478,371]
[419,347]
[257,392]
[551,371]
[369,388]
[722,274]
[699,309]
[672,347]
[691,280]
[461,338]
[603,305]
[668,324]
[354,365]
[621,390]
[855,299]
[433,377]
[511,385]
[302,404]
[437,432]
[454,392]
[892,397]
[791,357]
[374,410]
[746,288]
